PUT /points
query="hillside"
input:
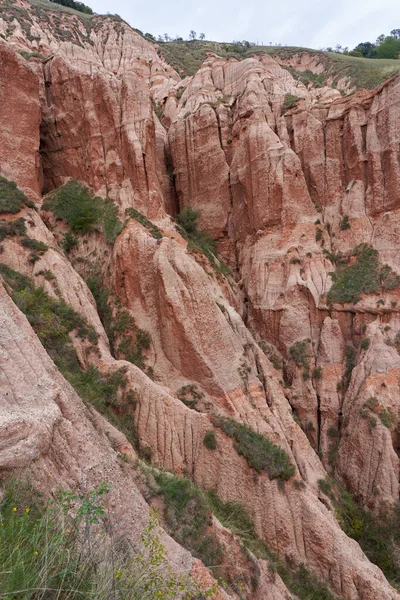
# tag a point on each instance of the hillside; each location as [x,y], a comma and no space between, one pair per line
[199,287]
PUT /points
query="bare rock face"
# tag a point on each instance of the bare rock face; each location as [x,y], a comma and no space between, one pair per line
[289,191]
[19,121]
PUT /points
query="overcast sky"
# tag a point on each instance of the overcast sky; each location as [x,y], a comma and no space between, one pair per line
[309,23]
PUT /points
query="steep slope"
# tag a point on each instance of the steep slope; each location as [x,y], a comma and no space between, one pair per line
[290,181]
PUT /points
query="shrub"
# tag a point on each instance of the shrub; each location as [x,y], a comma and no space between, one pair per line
[140,218]
[54,550]
[344,223]
[35,245]
[350,362]
[75,204]
[11,198]
[350,282]
[261,454]
[187,516]
[387,417]
[378,533]
[318,235]
[364,344]
[289,101]
[317,373]
[299,352]
[189,395]
[209,440]
[69,241]
[12,228]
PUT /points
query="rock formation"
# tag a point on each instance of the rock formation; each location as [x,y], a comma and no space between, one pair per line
[291,191]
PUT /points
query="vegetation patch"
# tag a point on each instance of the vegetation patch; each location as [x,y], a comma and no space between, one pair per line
[12,228]
[53,321]
[58,550]
[299,352]
[75,204]
[189,395]
[140,218]
[199,241]
[362,276]
[79,6]
[188,516]
[289,102]
[210,441]
[12,200]
[299,580]
[378,533]
[261,454]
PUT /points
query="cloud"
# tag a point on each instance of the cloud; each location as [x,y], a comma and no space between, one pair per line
[311,24]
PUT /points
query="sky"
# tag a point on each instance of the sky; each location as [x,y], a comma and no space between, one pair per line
[308,23]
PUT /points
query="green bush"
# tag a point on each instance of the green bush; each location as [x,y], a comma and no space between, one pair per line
[364,344]
[12,228]
[261,454]
[35,245]
[69,241]
[350,363]
[289,101]
[299,352]
[349,282]
[11,198]
[210,440]
[140,218]
[189,395]
[344,223]
[75,204]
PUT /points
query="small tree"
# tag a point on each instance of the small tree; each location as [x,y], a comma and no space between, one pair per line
[192,35]
[202,36]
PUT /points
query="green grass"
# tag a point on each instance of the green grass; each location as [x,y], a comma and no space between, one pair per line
[12,200]
[53,321]
[58,550]
[75,204]
[261,454]
[188,516]
[187,57]
[378,533]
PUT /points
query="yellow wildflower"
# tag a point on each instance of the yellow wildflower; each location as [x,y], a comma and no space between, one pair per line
[15,509]
[27,510]
[118,574]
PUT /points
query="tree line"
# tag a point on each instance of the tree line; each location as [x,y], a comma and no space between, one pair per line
[386,46]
